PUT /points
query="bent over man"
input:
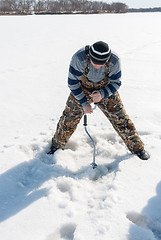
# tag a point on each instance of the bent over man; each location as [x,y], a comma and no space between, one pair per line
[94,76]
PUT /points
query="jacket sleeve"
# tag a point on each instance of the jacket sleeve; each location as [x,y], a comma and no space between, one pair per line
[115,80]
[75,73]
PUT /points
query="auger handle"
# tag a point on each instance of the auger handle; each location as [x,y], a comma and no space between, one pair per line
[85,120]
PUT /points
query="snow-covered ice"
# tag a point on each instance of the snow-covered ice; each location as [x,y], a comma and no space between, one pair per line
[62,198]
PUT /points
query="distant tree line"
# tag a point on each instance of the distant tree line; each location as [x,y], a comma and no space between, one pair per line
[156,9]
[59,7]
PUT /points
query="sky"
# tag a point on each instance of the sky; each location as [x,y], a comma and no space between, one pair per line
[138,3]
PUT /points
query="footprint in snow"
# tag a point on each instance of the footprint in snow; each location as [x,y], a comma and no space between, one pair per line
[138,219]
[63,186]
[66,232]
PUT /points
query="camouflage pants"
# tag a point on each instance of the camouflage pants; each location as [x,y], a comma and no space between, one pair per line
[113,109]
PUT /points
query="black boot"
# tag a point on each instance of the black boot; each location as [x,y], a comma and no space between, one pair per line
[52,150]
[143,155]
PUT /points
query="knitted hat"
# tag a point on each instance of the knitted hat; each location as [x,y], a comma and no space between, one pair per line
[99,53]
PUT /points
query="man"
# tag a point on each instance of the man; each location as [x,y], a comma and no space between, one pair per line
[94,76]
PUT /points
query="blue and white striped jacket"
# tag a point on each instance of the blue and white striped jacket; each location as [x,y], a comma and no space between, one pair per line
[77,68]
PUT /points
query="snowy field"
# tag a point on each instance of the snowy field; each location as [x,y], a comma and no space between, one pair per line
[68,200]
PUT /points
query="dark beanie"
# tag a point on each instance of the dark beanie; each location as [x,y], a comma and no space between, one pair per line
[99,53]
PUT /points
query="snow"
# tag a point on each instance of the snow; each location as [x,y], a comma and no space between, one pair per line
[62,197]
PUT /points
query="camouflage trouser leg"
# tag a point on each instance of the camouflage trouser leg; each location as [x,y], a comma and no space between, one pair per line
[68,122]
[114,110]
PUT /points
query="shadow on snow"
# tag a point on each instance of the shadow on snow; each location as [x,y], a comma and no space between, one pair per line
[22,185]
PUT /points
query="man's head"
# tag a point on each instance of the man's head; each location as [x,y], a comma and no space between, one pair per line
[99,53]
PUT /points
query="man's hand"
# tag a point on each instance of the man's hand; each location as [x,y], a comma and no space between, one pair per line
[96,95]
[88,109]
